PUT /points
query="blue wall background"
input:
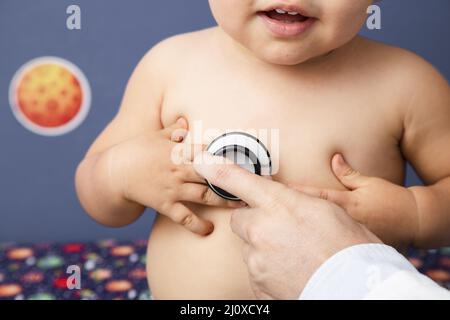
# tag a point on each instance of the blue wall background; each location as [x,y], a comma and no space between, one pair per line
[37,195]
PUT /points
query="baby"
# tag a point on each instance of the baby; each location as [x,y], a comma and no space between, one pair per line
[296,66]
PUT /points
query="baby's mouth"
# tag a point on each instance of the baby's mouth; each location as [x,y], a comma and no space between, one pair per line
[286,22]
[285,16]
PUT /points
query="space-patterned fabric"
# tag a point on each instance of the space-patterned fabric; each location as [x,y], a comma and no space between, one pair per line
[109,270]
[116,270]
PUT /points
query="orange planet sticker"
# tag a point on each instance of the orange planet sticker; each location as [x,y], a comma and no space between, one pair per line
[50,96]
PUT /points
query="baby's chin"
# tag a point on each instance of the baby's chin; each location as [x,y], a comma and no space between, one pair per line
[287,55]
[284,59]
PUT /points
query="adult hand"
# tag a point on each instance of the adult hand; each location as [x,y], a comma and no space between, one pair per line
[287,234]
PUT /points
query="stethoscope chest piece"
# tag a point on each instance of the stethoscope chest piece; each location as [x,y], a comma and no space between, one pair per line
[246,151]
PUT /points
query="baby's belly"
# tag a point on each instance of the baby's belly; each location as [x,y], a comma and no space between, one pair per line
[182,265]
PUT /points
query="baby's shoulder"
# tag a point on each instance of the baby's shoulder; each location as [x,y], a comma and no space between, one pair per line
[173,52]
[397,65]
[392,69]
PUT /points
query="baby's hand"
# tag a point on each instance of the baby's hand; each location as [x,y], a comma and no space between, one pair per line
[387,209]
[145,172]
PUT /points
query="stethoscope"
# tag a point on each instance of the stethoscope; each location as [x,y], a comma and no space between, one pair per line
[246,151]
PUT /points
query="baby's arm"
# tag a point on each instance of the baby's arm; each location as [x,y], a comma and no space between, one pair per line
[139,113]
[398,215]
[130,165]
[426,144]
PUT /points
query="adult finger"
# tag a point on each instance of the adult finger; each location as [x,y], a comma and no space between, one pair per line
[251,188]
[189,175]
[202,194]
[244,223]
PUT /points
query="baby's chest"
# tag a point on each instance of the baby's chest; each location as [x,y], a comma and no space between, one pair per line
[301,133]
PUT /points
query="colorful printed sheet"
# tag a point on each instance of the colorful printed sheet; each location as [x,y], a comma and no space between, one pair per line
[116,270]
[109,270]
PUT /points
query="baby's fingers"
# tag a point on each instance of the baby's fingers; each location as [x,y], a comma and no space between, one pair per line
[177,131]
[189,175]
[202,194]
[180,214]
[185,153]
[182,156]
[190,151]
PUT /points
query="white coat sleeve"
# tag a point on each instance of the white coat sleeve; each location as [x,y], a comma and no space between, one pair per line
[370,271]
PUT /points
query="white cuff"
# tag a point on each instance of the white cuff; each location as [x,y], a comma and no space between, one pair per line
[355,271]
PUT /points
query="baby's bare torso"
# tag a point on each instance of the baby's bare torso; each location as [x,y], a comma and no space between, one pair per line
[331,105]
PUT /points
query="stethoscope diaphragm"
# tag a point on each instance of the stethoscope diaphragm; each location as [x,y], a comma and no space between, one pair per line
[246,151]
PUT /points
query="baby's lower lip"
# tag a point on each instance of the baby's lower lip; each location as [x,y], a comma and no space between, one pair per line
[286,29]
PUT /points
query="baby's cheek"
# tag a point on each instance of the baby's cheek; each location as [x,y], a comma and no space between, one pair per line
[232,16]
[346,13]
[226,10]
[340,24]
